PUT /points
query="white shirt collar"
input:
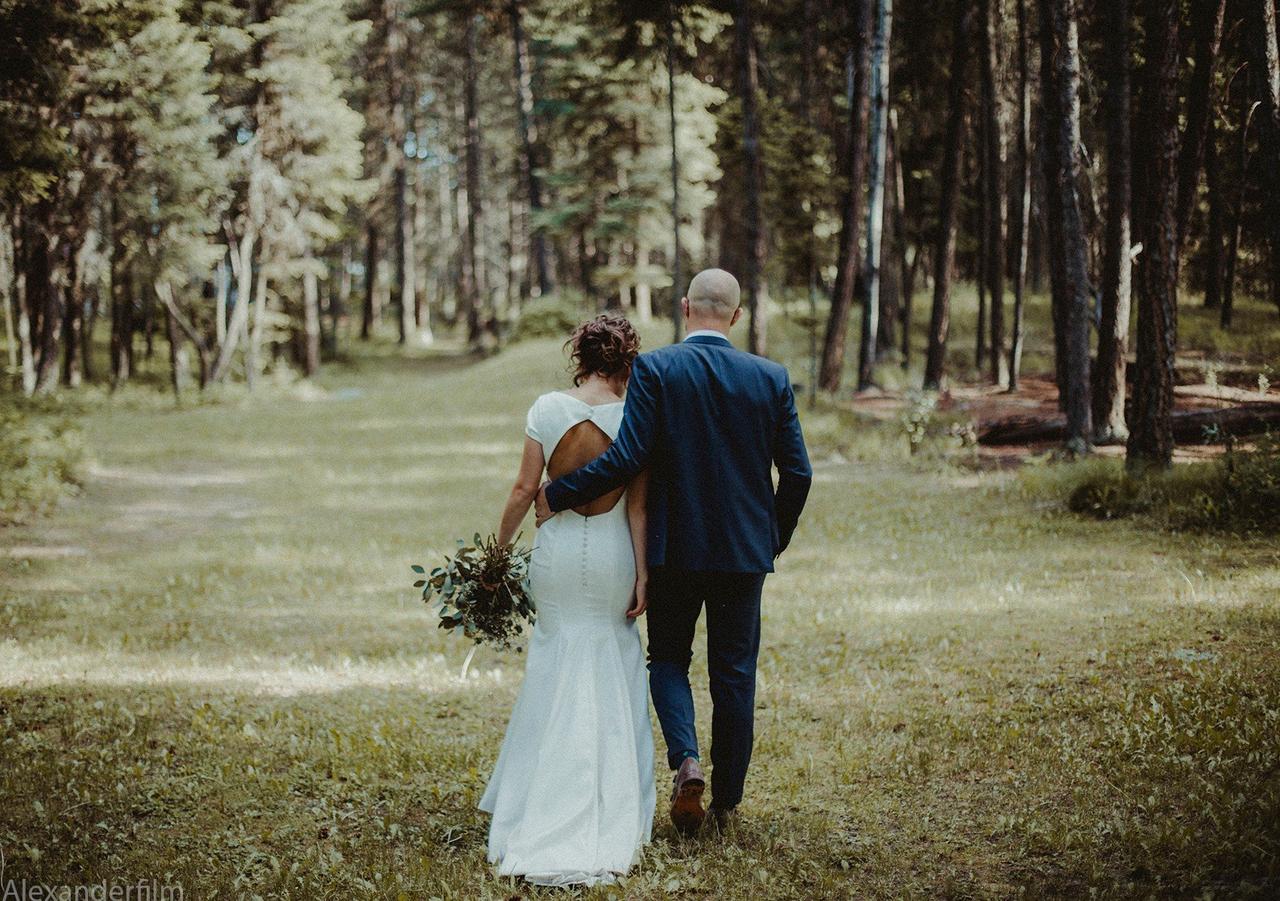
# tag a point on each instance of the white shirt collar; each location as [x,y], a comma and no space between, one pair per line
[706,333]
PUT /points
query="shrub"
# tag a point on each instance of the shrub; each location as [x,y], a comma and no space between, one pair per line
[41,457]
[548,317]
[1238,493]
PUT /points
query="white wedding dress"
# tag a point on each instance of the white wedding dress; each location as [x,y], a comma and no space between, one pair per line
[572,794]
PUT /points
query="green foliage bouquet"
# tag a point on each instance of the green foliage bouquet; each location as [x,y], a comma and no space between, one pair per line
[482,589]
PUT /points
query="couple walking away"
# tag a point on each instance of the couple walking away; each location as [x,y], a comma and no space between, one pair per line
[664,503]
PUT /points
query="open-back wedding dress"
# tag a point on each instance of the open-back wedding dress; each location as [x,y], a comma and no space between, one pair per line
[572,795]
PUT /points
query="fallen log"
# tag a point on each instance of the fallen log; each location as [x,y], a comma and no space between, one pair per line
[1189,426]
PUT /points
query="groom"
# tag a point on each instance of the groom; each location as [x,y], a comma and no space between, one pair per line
[709,422]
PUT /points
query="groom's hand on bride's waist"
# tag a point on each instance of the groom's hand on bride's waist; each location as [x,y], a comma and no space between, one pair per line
[541,509]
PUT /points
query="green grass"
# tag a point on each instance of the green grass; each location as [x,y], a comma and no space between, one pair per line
[214,670]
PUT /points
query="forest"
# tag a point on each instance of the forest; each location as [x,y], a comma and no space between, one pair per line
[263,183]
[281,279]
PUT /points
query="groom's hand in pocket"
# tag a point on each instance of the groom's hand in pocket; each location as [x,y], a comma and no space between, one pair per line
[541,509]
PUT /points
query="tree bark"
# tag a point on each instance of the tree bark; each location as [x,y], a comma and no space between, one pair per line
[1206,23]
[242,268]
[175,355]
[8,287]
[994,163]
[979,165]
[528,156]
[253,357]
[893,320]
[1226,314]
[369,314]
[165,292]
[1264,61]
[1213,251]
[311,319]
[1150,425]
[121,303]
[478,303]
[876,189]
[945,245]
[1117,267]
[1060,42]
[753,176]
[46,286]
[222,287]
[1022,206]
[677,276]
[833,345]
[405,271]
[72,321]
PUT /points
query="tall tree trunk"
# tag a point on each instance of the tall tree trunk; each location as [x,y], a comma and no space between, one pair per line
[403,253]
[399,115]
[369,314]
[1227,312]
[478,304]
[855,157]
[528,156]
[1150,424]
[945,244]
[72,321]
[994,154]
[1213,250]
[895,265]
[984,233]
[1264,63]
[241,255]
[1022,198]
[8,288]
[1206,24]
[677,277]
[176,375]
[909,271]
[164,291]
[253,356]
[876,189]
[1060,42]
[406,265]
[93,306]
[121,301]
[222,287]
[311,318]
[1051,211]
[22,300]
[1117,267]
[745,69]
[420,250]
[46,284]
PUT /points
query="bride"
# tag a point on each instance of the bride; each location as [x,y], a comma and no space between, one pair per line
[572,794]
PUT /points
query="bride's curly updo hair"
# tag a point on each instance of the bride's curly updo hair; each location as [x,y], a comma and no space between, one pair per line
[602,346]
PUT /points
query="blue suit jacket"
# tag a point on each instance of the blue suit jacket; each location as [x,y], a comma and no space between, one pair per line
[709,422]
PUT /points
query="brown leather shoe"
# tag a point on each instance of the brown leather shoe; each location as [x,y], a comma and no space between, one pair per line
[686,797]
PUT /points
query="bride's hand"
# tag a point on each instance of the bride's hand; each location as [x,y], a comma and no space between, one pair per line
[640,600]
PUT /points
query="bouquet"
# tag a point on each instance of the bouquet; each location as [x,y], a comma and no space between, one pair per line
[483,589]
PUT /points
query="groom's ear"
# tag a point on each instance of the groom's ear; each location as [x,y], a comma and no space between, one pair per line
[684,306]
[737,314]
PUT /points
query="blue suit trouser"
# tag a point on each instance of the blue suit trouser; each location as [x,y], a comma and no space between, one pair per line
[732,600]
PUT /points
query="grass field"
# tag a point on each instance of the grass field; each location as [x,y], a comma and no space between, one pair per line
[214,672]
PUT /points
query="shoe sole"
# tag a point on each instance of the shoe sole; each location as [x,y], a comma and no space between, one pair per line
[686,807]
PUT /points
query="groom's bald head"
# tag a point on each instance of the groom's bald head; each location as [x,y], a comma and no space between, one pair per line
[713,295]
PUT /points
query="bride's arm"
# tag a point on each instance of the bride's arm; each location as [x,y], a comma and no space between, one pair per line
[528,480]
[637,498]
